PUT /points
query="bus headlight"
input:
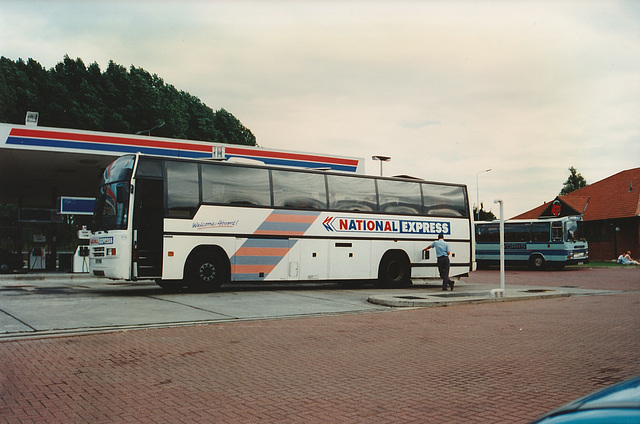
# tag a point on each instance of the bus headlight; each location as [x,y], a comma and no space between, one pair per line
[111,251]
[570,255]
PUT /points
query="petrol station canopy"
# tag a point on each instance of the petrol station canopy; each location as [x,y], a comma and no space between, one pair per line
[38,165]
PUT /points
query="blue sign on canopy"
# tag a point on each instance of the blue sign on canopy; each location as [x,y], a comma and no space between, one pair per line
[76,205]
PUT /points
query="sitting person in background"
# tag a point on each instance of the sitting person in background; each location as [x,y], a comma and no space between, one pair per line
[626,259]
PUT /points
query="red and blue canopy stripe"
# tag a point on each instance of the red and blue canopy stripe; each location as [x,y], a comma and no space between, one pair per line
[67,141]
[301,160]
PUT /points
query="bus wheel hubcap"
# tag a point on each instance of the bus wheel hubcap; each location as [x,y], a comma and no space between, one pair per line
[207,272]
[394,271]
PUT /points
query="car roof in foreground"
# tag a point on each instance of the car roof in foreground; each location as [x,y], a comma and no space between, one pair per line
[619,403]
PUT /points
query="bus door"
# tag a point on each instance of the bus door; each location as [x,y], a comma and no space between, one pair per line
[294,259]
[147,228]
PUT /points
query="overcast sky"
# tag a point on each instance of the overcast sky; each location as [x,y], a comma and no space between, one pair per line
[446,88]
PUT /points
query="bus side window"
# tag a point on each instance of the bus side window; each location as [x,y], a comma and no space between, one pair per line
[352,194]
[488,233]
[442,200]
[235,185]
[299,190]
[399,197]
[556,231]
[540,232]
[183,188]
[520,232]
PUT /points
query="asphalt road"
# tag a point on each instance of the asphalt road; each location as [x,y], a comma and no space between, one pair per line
[61,305]
[52,304]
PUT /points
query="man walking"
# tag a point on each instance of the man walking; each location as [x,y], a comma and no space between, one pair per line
[442,253]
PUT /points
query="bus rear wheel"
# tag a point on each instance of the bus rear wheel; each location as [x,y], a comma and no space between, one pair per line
[394,271]
[536,262]
[206,271]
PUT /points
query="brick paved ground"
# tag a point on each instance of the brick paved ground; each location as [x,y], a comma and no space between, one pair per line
[618,278]
[486,363]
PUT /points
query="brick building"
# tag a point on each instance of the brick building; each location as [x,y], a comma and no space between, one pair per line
[610,209]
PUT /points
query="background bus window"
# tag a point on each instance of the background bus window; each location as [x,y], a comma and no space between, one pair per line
[235,185]
[517,232]
[299,190]
[573,231]
[488,233]
[540,232]
[440,200]
[399,197]
[556,231]
[183,190]
[352,194]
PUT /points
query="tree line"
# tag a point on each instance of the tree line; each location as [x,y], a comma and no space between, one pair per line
[72,95]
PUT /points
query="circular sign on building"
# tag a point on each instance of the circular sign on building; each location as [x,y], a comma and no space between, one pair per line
[556,208]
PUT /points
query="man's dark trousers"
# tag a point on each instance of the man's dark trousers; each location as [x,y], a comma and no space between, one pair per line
[443,268]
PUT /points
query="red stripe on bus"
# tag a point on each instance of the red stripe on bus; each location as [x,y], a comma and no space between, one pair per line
[251,269]
[279,232]
[262,251]
[280,217]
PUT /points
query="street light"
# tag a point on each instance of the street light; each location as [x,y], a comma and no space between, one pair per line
[381,159]
[478,194]
[161,124]
[501,246]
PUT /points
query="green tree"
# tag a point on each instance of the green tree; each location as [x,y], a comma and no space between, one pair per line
[484,215]
[72,95]
[573,183]
[232,129]
[20,87]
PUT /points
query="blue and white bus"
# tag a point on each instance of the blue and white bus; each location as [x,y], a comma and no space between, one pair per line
[537,243]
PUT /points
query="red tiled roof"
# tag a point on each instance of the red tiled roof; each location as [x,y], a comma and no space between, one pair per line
[533,213]
[579,203]
[604,199]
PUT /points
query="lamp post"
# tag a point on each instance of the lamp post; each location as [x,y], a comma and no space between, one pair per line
[478,194]
[161,124]
[501,246]
[381,159]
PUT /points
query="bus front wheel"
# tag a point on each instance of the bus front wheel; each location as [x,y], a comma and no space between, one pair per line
[206,271]
[394,271]
[536,262]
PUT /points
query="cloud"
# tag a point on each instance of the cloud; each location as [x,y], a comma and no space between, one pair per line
[419,124]
[447,88]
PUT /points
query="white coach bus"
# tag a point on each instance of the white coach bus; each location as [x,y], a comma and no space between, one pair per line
[202,223]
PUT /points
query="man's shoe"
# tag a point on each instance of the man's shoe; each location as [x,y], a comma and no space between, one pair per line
[444,289]
[451,283]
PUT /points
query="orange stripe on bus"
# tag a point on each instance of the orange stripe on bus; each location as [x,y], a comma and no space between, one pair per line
[251,269]
[262,251]
[279,233]
[280,217]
